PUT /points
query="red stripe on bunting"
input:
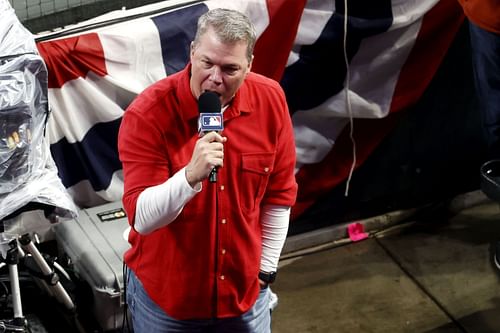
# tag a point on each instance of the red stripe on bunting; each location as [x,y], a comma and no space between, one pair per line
[274,45]
[436,34]
[439,27]
[73,57]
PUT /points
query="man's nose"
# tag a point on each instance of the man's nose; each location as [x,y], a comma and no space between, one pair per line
[215,75]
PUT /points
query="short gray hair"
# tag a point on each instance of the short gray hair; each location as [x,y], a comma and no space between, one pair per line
[230,26]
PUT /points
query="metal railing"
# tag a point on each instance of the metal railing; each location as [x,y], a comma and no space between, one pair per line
[30,9]
[51,15]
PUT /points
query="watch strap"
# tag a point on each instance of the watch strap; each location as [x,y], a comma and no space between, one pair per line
[267,277]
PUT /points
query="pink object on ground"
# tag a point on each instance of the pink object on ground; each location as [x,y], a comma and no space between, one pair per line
[356,232]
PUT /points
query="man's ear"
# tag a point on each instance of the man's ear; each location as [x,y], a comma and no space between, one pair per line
[191,49]
[250,65]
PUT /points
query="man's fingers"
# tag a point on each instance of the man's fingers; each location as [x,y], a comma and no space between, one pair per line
[214,137]
[208,153]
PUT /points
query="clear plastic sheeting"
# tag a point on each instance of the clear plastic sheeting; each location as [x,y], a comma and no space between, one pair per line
[28,175]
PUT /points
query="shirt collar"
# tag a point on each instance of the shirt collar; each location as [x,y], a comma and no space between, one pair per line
[188,105]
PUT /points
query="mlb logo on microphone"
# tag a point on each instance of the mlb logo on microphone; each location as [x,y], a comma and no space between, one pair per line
[211,122]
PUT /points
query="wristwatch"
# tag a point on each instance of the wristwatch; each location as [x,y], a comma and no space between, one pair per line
[267,277]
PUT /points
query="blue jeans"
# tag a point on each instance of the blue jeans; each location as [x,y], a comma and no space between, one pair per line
[485,47]
[148,317]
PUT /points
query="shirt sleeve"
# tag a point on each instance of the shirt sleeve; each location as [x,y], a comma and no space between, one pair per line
[159,205]
[275,221]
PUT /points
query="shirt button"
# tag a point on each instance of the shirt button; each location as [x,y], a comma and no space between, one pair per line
[222,277]
[223,221]
[223,251]
[266,169]
[222,187]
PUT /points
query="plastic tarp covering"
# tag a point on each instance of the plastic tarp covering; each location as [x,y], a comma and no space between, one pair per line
[28,174]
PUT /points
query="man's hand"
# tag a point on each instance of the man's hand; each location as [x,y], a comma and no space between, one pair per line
[208,153]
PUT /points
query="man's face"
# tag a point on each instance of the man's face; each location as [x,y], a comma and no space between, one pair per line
[218,67]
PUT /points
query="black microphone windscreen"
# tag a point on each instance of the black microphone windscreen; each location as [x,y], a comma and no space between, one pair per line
[209,102]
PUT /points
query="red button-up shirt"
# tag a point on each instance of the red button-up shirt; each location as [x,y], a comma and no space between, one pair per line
[205,263]
[484,13]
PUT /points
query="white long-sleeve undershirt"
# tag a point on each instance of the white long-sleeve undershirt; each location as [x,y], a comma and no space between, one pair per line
[159,205]
[274,221]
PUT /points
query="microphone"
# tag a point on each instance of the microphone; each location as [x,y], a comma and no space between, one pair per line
[210,119]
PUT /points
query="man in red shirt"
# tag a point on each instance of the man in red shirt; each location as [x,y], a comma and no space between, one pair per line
[484,28]
[203,253]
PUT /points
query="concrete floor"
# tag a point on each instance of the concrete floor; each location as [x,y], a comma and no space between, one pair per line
[429,275]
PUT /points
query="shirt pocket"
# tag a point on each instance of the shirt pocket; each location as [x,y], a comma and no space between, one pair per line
[256,169]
